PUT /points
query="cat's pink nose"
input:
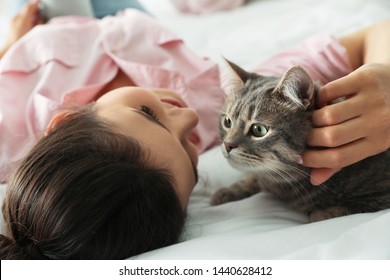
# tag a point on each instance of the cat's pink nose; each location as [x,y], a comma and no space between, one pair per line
[230,146]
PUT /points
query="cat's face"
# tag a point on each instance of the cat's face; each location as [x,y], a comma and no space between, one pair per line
[265,121]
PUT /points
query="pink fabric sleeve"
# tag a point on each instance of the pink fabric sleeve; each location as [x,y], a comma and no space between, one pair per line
[322,56]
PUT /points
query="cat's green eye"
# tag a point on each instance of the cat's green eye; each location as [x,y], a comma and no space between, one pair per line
[259,130]
[227,122]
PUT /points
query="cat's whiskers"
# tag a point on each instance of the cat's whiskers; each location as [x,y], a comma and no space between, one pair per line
[307,176]
[256,164]
[291,180]
[298,170]
[269,170]
[251,160]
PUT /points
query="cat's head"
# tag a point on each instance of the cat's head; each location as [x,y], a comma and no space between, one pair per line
[265,121]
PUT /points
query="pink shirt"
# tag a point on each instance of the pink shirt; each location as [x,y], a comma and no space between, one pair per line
[322,56]
[71,59]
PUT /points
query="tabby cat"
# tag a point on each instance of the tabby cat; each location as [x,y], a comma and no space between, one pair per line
[264,126]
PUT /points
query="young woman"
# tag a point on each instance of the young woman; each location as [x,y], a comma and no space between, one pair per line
[116,112]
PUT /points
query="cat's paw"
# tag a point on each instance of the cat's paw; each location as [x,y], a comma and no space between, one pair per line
[333,212]
[222,196]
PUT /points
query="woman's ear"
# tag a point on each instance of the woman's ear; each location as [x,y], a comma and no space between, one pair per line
[57,119]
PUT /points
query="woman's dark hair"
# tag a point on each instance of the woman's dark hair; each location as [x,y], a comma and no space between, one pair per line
[86,192]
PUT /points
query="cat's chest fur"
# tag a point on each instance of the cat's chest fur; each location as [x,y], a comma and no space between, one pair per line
[264,126]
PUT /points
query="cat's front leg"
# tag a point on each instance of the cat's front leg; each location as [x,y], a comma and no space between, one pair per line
[246,187]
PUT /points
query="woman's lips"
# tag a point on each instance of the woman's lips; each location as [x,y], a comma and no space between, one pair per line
[174,102]
[194,139]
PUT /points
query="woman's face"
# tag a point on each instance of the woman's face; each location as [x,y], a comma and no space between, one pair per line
[161,121]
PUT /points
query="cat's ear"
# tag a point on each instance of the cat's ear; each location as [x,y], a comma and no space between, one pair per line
[298,86]
[232,76]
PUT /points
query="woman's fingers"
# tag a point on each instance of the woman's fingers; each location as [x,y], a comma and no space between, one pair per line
[338,135]
[32,12]
[338,112]
[354,129]
[342,87]
[321,175]
[339,157]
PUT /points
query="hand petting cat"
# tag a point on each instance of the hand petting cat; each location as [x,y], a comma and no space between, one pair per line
[353,129]
[358,127]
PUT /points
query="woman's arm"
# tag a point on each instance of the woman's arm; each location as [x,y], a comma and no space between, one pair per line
[21,24]
[370,45]
[358,127]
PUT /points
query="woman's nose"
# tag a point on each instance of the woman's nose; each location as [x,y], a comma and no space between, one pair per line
[182,121]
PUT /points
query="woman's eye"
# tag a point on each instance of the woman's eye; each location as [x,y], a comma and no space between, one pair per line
[149,112]
[259,130]
[227,122]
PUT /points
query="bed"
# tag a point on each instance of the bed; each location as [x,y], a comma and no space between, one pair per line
[262,227]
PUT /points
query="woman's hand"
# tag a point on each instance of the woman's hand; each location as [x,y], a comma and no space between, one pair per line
[21,23]
[353,129]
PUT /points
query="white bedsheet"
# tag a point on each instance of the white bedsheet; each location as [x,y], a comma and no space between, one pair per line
[261,227]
